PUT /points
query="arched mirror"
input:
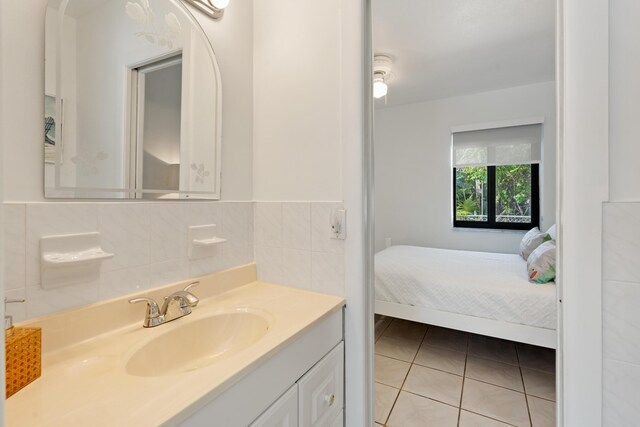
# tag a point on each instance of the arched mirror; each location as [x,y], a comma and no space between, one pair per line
[132,102]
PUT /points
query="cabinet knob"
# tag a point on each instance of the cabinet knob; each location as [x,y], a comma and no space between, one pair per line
[330,399]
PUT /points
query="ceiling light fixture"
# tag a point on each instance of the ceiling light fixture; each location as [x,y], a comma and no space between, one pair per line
[381,75]
[212,8]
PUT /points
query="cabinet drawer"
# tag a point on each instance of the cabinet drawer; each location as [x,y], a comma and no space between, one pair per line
[283,413]
[321,390]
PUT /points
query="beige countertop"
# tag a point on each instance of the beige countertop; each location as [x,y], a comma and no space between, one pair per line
[84,381]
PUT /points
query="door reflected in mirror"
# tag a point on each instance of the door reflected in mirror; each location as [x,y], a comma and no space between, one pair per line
[132,102]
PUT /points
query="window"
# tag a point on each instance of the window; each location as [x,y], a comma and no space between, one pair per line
[496,177]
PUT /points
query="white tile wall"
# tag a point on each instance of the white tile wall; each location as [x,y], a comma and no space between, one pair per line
[291,243]
[296,267]
[620,394]
[297,233]
[621,242]
[148,239]
[294,246]
[268,224]
[621,316]
[124,231]
[15,247]
[237,228]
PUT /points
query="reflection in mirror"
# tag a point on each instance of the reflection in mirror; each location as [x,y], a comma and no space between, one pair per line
[132,102]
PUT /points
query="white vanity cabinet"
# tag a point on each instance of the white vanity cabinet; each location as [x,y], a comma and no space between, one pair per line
[316,400]
[321,390]
[300,385]
[283,413]
[339,420]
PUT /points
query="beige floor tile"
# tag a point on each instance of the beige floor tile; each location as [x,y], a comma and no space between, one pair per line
[496,373]
[540,384]
[385,398]
[417,411]
[469,419]
[405,329]
[390,371]
[440,358]
[448,339]
[437,385]
[540,358]
[543,412]
[495,402]
[381,324]
[398,348]
[493,349]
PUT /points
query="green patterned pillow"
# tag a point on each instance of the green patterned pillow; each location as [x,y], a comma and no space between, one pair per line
[531,241]
[541,264]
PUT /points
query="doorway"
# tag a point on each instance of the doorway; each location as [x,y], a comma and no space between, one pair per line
[413,176]
[156,105]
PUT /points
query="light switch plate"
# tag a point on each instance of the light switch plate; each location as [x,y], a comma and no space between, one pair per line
[338,222]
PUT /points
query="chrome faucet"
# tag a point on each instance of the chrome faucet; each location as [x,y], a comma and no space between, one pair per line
[175,306]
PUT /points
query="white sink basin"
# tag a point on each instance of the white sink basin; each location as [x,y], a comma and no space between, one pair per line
[198,344]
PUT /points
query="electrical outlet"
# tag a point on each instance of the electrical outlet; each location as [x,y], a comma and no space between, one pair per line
[338,222]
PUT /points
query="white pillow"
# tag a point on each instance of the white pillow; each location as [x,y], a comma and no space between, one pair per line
[541,264]
[531,241]
[552,232]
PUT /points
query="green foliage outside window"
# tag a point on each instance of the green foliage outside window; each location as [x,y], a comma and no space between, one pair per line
[512,193]
[471,183]
[513,190]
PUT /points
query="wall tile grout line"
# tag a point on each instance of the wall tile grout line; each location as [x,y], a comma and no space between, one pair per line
[524,387]
[464,376]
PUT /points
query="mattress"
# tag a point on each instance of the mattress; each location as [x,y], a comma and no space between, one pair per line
[481,284]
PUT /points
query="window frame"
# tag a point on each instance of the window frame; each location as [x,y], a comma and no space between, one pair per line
[491,204]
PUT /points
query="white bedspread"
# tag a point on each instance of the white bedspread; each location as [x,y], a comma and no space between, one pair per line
[480,284]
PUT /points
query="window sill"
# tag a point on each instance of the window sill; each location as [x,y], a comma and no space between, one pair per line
[488,230]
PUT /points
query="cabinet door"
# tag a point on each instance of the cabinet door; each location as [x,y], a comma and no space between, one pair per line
[339,421]
[283,413]
[321,390]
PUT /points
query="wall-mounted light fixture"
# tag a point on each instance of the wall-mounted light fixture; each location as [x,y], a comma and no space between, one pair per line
[212,8]
[381,75]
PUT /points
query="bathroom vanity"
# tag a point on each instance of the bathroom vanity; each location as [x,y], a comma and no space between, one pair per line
[250,354]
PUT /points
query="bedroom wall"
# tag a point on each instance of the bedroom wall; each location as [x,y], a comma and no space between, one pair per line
[413,166]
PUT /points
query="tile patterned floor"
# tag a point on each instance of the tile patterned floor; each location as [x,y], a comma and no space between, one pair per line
[431,376]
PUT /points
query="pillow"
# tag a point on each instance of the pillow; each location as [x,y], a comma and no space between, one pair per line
[541,265]
[531,241]
[552,232]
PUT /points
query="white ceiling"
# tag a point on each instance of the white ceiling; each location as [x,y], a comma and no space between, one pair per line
[445,48]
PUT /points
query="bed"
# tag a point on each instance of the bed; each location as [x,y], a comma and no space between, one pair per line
[480,292]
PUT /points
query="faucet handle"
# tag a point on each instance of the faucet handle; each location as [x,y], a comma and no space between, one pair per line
[191,285]
[153,310]
[193,300]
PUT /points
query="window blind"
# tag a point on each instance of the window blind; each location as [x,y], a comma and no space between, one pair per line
[514,145]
